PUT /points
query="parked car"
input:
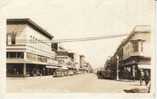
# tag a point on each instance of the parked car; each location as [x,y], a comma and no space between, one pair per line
[60,73]
[105,74]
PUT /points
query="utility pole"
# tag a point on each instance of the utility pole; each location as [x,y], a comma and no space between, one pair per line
[117,67]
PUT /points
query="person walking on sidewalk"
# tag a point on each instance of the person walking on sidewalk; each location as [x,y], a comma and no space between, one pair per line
[141,77]
[146,77]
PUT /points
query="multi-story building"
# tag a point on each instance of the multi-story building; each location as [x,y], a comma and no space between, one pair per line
[77,61]
[84,65]
[82,61]
[133,54]
[87,67]
[66,60]
[29,49]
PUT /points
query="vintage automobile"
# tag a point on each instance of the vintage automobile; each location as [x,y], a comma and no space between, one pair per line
[105,74]
[60,73]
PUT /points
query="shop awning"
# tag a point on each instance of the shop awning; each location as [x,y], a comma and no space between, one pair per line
[144,66]
[64,67]
[53,67]
[53,63]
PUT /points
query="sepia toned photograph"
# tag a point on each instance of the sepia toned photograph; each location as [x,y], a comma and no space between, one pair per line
[79,46]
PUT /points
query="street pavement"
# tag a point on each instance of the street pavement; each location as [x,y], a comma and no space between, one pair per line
[86,83]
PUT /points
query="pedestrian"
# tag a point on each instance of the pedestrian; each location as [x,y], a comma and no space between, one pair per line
[148,86]
[146,77]
[141,76]
[133,74]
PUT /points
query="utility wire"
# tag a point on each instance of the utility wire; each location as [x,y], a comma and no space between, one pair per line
[89,38]
[72,39]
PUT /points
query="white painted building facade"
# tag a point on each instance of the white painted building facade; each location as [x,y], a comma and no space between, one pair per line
[28,48]
[135,53]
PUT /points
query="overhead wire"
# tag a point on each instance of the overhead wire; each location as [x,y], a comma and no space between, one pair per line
[72,39]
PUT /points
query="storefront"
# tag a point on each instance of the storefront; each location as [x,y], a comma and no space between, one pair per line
[14,69]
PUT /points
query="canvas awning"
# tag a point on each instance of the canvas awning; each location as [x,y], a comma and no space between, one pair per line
[144,66]
[53,67]
[64,67]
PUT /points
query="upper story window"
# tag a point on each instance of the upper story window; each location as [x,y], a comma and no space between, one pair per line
[135,46]
[54,46]
[138,45]
[61,61]
[15,55]
[141,42]
[11,38]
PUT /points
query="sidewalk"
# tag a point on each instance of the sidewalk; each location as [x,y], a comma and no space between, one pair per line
[39,77]
[33,77]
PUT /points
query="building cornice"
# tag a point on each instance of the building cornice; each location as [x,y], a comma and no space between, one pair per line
[30,23]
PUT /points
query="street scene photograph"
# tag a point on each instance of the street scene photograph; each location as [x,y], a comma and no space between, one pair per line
[79,46]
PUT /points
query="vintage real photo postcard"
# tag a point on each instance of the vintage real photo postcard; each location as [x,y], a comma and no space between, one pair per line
[78,46]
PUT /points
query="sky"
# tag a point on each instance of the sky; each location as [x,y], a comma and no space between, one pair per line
[84,18]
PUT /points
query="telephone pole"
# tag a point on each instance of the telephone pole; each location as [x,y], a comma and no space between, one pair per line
[117,78]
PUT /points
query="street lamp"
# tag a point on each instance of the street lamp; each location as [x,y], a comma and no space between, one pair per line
[117,67]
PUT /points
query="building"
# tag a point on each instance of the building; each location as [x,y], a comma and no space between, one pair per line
[66,61]
[71,62]
[29,49]
[88,67]
[85,66]
[133,54]
[77,61]
[82,61]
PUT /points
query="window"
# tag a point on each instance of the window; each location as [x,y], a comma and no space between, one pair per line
[42,59]
[141,46]
[15,54]
[31,56]
[34,57]
[135,46]
[138,45]
[20,55]
[60,61]
[11,38]
[8,39]
[11,54]
[54,46]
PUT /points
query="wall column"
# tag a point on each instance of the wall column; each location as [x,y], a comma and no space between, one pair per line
[140,47]
[24,69]
[133,72]
[117,76]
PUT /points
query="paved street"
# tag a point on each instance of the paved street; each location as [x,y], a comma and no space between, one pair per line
[76,83]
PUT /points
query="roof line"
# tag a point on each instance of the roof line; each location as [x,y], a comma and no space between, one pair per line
[31,23]
[133,32]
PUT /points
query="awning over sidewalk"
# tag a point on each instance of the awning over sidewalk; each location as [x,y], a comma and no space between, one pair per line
[64,67]
[53,67]
[144,66]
